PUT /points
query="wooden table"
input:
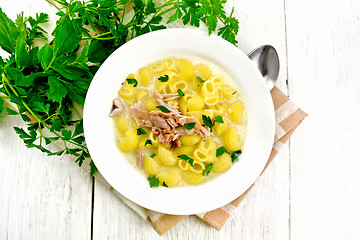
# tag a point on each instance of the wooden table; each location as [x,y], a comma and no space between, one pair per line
[310,191]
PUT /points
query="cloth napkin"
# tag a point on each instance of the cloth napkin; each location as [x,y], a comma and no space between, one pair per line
[288,118]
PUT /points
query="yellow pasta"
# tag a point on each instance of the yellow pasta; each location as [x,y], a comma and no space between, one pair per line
[232,141]
[179,84]
[150,104]
[195,102]
[158,67]
[205,91]
[193,178]
[126,91]
[201,155]
[185,69]
[130,141]
[169,63]
[185,149]
[151,165]
[209,89]
[124,123]
[197,167]
[212,100]
[236,112]
[166,157]
[190,139]
[145,76]
[221,127]
[141,94]
[183,164]
[170,176]
[222,163]
[203,71]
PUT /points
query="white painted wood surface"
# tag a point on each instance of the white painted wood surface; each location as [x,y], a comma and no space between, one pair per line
[310,191]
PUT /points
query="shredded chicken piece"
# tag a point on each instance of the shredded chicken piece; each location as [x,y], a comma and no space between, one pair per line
[117,109]
[168,126]
[139,158]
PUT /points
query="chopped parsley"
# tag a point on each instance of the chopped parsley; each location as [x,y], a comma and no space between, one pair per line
[207,169]
[153,181]
[220,151]
[207,121]
[132,81]
[190,126]
[200,79]
[140,131]
[148,142]
[181,93]
[234,155]
[219,119]
[153,155]
[187,158]
[163,109]
[164,184]
[164,78]
[234,92]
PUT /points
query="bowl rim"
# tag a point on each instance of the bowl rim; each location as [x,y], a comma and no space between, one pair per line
[157,45]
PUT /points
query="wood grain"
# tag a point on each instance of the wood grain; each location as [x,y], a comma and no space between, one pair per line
[310,191]
[323,50]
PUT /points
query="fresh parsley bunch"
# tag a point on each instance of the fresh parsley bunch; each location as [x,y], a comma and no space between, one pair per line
[47,83]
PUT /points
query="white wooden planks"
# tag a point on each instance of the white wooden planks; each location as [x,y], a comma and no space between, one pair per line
[323,49]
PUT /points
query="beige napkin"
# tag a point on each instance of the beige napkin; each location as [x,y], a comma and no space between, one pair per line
[288,117]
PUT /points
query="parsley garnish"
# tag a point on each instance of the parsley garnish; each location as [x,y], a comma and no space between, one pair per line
[46,82]
[234,155]
[132,81]
[220,151]
[164,78]
[207,169]
[140,131]
[153,155]
[200,79]
[207,121]
[234,92]
[190,126]
[148,141]
[164,184]
[153,181]
[219,119]
[163,109]
[187,158]
[181,93]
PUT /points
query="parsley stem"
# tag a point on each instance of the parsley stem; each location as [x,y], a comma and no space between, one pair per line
[38,120]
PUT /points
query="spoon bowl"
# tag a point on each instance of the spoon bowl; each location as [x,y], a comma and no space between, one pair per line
[266,60]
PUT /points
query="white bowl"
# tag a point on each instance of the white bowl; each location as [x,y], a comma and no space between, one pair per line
[127,180]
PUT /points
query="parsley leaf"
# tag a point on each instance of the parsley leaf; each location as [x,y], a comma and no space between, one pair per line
[8,33]
[164,78]
[153,181]
[207,169]
[219,119]
[140,131]
[148,141]
[207,121]
[200,79]
[190,126]
[163,109]
[164,184]
[187,158]
[220,151]
[181,93]
[234,155]
[132,81]
[153,155]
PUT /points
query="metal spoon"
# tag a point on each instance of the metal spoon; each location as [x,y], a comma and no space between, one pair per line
[266,60]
